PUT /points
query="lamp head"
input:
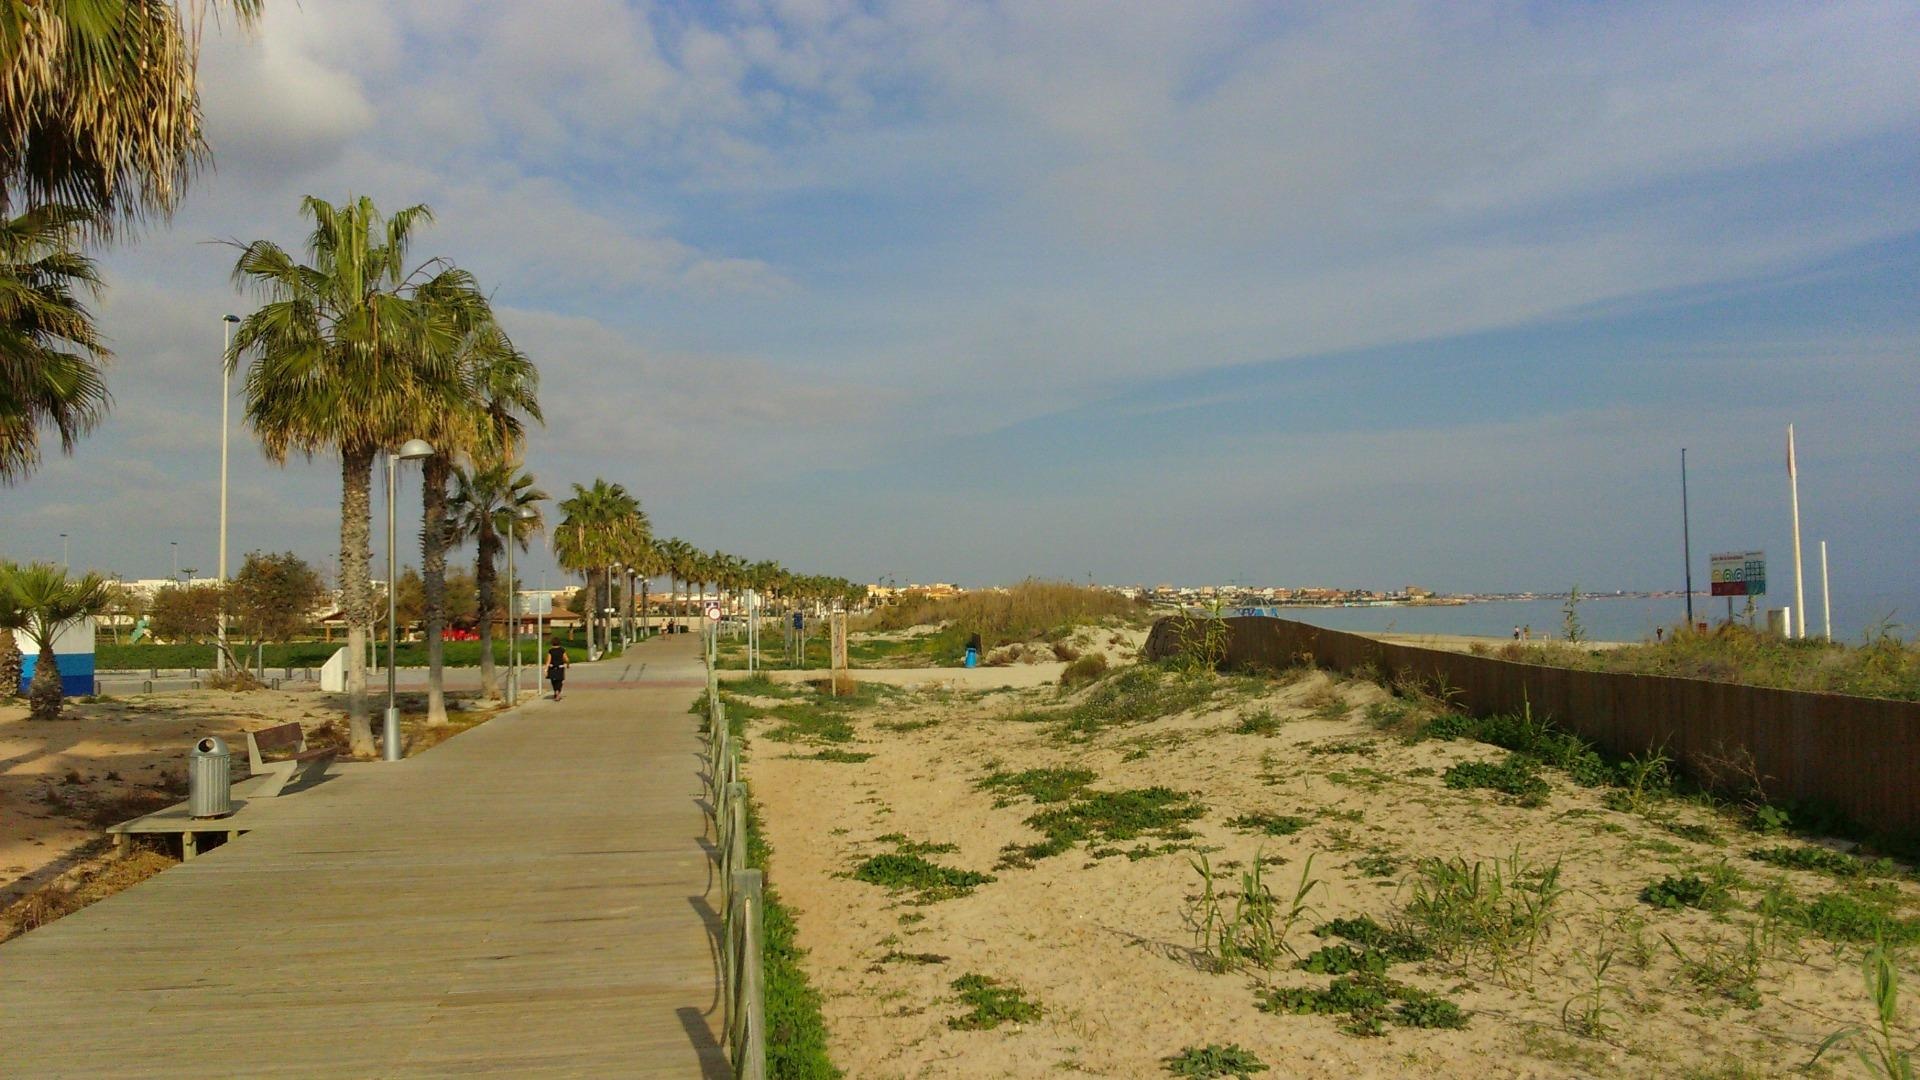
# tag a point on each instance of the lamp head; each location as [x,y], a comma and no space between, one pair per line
[230,318]
[527,513]
[414,450]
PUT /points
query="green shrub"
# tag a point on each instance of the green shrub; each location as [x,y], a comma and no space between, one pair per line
[1691,891]
[1086,669]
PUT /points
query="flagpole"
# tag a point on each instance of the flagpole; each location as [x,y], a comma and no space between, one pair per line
[1799,587]
[1826,597]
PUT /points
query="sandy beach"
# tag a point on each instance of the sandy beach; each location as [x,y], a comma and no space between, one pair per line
[1102,936]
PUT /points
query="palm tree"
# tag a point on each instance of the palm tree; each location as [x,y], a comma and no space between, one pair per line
[99,101]
[486,506]
[46,601]
[497,383]
[347,360]
[600,522]
[50,353]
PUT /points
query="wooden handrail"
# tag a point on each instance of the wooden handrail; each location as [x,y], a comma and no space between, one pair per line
[742,898]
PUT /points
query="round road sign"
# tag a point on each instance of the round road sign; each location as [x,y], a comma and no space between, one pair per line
[713,611]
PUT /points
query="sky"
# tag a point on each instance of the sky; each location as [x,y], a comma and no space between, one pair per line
[1360,295]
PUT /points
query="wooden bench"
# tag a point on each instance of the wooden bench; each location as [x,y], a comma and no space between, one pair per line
[289,745]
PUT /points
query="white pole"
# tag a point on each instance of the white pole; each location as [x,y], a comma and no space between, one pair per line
[513,628]
[1826,597]
[226,396]
[1799,587]
[390,728]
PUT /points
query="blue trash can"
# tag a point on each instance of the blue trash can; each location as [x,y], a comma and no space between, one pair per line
[973,658]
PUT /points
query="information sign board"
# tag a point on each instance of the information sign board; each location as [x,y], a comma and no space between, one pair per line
[1739,573]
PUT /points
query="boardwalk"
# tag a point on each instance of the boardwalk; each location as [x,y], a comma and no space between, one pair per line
[527,899]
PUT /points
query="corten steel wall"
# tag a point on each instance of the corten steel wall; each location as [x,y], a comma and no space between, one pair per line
[1861,755]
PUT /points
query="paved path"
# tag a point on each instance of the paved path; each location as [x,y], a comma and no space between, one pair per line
[526,899]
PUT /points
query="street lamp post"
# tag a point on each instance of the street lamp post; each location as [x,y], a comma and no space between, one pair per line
[614,572]
[411,450]
[226,395]
[64,563]
[176,560]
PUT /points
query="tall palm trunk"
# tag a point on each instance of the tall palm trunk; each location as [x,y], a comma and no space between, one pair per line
[11,664]
[43,696]
[356,588]
[483,580]
[433,580]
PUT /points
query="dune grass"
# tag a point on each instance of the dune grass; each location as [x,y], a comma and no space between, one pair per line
[1882,666]
[1032,610]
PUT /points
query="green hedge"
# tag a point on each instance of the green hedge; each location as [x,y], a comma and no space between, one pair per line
[299,654]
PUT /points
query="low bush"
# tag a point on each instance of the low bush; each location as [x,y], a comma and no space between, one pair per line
[990,1003]
[1086,669]
[1214,1061]
[898,871]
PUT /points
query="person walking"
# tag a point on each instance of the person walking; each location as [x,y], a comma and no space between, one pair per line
[557,667]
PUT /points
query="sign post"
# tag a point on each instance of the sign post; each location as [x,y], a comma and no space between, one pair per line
[838,622]
[1739,573]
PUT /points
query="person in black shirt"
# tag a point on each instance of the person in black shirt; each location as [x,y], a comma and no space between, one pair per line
[557,667]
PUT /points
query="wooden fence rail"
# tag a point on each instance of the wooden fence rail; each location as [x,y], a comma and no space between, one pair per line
[1858,755]
[742,894]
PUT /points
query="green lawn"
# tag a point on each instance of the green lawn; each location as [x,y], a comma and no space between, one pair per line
[111,657]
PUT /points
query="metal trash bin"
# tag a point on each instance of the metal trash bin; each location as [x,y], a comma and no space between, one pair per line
[209,778]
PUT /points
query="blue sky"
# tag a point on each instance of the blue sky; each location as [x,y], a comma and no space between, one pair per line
[968,291]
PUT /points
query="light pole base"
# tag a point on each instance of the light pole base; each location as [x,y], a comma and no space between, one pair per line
[390,736]
[513,688]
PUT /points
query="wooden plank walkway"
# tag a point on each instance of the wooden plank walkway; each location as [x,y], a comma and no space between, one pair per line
[530,898]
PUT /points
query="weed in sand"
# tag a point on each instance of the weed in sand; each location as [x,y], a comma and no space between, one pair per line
[1586,1012]
[1825,861]
[1862,916]
[1365,999]
[1091,815]
[1137,695]
[1040,785]
[1213,1061]
[897,872]
[990,1003]
[1266,824]
[1518,776]
[1254,934]
[1261,721]
[1711,892]
[1879,1052]
[834,753]
[914,847]
[1496,909]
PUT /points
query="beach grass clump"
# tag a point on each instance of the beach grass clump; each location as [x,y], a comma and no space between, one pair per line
[1137,695]
[990,1003]
[1675,892]
[1494,910]
[1261,721]
[1119,815]
[1265,824]
[1863,916]
[1040,785]
[905,846]
[1084,670]
[904,872]
[1823,860]
[1213,1062]
[1882,665]
[834,753]
[1518,777]
[1251,932]
[1369,1001]
[1362,930]
[1029,611]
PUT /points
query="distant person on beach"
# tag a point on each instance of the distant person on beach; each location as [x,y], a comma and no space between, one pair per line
[1516,633]
[557,667]
[1526,632]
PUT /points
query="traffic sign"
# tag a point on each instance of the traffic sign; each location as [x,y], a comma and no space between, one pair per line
[713,611]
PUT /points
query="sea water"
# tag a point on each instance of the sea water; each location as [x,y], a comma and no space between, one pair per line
[1602,618]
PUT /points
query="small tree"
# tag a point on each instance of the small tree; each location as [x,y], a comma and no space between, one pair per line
[43,598]
[1575,632]
[274,596]
[186,614]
